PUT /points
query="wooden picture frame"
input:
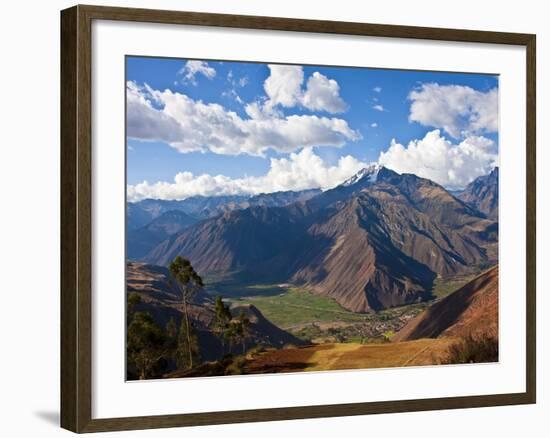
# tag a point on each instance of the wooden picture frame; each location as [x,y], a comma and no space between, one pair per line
[76,217]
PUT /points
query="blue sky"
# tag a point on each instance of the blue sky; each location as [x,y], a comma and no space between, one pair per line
[255,127]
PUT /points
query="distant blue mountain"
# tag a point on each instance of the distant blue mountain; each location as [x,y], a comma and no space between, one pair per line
[151,221]
[141,213]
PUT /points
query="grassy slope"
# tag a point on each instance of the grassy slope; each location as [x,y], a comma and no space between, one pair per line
[442,288]
[351,356]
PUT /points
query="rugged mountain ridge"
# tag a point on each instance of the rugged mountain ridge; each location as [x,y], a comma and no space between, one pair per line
[376,241]
[482,194]
[381,250]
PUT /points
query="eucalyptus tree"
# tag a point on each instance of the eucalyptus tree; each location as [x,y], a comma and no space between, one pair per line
[189,281]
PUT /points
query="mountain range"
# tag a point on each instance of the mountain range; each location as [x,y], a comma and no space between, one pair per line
[139,214]
[151,221]
[378,240]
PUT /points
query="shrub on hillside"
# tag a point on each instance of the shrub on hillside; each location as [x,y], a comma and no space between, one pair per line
[236,367]
[473,349]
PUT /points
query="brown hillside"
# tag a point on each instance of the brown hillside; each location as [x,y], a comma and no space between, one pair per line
[380,249]
[471,310]
[353,262]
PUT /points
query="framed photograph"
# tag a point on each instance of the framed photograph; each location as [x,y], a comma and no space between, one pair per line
[268,218]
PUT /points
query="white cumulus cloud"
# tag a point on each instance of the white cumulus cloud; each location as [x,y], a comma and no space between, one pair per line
[300,171]
[144,122]
[192,125]
[323,94]
[436,158]
[192,68]
[459,110]
[284,87]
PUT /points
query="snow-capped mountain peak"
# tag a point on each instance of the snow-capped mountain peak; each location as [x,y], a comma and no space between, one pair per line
[368,173]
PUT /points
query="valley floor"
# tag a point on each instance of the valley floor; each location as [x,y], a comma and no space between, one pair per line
[318,319]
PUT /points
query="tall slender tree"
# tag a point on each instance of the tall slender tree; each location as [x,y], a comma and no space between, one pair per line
[187,348]
[243,324]
[223,318]
[189,282]
[171,332]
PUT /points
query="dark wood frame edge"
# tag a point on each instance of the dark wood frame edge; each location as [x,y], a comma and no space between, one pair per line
[76,190]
